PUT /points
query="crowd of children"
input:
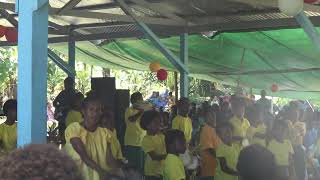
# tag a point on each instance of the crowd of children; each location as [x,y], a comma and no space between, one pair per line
[233,140]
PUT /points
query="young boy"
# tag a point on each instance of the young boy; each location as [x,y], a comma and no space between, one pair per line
[282,150]
[256,133]
[239,123]
[173,165]
[182,122]
[8,129]
[153,144]
[74,115]
[227,154]
[209,142]
[134,133]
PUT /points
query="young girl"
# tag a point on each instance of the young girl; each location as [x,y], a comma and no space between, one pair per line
[134,133]
[173,165]
[153,145]
[209,142]
[227,154]
[257,131]
[88,144]
[74,115]
[8,129]
[107,121]
[239,123]
[282,149]
[182,122]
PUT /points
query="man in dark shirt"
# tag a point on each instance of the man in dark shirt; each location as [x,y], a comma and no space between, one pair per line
[62,104]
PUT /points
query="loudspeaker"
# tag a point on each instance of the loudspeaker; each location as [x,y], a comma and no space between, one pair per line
[122,103]
[106,90]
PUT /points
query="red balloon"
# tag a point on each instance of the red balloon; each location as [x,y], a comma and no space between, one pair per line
[274,88]
[162,74]
[11,34]
[310,1]
[2,31]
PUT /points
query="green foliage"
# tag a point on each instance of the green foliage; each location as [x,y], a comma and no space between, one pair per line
[55,79]
[83,79]
[8,69]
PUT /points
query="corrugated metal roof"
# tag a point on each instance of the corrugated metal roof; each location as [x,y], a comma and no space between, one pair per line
[88,18]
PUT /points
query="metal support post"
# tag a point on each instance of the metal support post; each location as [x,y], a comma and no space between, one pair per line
[184,80]
[32,71]
[309,28]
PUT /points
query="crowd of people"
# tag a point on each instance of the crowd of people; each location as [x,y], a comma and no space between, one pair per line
[239,138]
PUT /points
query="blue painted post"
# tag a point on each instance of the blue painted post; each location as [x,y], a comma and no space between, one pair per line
[184,55]
[309,28]
[32,71]
[72,56]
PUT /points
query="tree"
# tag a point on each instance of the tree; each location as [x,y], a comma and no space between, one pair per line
[8,69]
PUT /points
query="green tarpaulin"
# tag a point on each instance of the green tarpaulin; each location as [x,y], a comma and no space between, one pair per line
[282,57]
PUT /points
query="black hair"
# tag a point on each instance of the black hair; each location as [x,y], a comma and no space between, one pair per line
[223,125]
[76,97]
[148,117]
[135,96]
[182,101]
[172,136]
[10,104]
[256,163]
[237,101]
[68,80]
[89,99]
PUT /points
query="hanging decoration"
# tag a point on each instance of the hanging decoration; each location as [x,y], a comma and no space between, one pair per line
[290,7]
[162,75]
[274,88]
[154,67]
[2,31]
[11,34]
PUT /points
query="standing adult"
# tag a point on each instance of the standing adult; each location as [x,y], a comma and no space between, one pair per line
[266,107]
[264,103]
[62,104]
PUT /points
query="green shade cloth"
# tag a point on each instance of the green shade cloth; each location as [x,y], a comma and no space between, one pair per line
[261,51]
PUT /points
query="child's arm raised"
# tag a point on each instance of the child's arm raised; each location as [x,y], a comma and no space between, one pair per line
[225,168]
[157,157]
[134,118]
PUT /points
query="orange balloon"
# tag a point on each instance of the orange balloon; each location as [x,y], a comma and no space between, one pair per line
[154,67]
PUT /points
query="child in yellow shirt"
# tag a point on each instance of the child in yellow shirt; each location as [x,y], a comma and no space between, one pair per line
[88,144]
[256,133]
[182,122]
[282,149]
[239,123]
[8,129]
[227,154]
[209,141]
[173,165]
[134,133]
[153,144]
[75,115]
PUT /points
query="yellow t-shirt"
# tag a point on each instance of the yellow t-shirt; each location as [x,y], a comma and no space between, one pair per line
[173,168]
[240,127]
[183,124]
[73,116]
[95,145]
[157,145]
[252,131]
[115,145]
[8,136]
[297,131]
[134,133]
[281,151]
[208,140]
[231,154]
